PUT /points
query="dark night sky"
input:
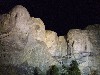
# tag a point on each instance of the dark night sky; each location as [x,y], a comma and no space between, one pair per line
[59,15]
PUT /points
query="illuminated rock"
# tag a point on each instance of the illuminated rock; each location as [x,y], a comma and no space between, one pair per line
[62,45]
[22,39]
[79,46]
[78,40]
[52,42]
[83,46]
[94,38]
[40,57]
[38,29]
[93,27]
[14,36]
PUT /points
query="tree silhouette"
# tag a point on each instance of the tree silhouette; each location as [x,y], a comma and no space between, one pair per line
[74,70]
[53,70]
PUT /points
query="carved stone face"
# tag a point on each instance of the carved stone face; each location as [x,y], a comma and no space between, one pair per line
[7,23]
[4,24]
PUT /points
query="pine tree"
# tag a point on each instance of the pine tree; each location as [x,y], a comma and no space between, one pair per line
[53,70]
[74,70]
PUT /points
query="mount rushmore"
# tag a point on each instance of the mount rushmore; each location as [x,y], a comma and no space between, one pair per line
[24,39]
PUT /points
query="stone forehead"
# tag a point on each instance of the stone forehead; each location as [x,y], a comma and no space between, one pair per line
[20,11]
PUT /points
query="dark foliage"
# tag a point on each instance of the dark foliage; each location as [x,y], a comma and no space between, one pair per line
[73,69]
[25,69]
[53,70]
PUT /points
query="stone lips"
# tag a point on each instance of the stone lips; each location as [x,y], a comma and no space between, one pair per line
[24,39]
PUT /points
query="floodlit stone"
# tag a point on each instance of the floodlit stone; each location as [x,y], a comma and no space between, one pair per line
[52,42]
[24,39]
[83,45]
[62,46]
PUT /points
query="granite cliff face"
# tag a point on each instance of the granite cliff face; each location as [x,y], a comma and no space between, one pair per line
[24,39]
[84,47]
[52,42]
[94,38]
[79,47]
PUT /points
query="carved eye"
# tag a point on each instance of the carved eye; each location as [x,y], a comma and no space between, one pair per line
[16,16]
[37,27]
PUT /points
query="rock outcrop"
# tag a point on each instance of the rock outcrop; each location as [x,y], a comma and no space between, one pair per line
[62,46]
[84,47]
[79,47]
[94,38]
[38,28]
[52,42]
[24,39]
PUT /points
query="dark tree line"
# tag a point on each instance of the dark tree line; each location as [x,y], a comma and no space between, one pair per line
[24,69]
[72,70]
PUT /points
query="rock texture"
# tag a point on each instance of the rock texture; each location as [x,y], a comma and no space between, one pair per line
[79,47]
[84,47]
[23,39]
[38,28]
[62,45]
[52,42]
[94,38]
